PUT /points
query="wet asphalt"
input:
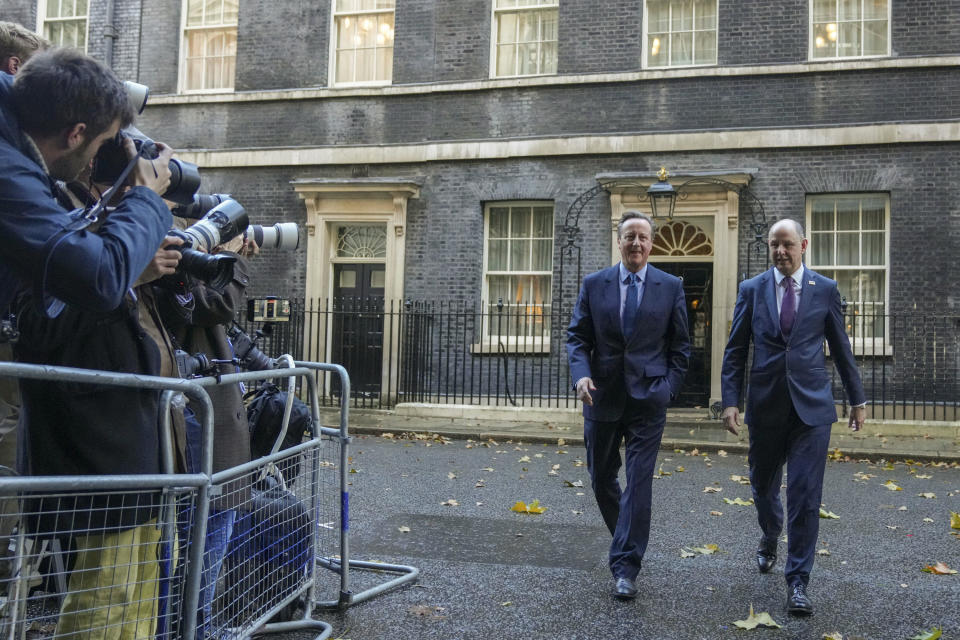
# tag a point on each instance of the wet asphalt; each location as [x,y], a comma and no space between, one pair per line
[490,573]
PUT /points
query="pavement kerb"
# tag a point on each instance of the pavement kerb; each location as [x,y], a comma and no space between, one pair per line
[948,454]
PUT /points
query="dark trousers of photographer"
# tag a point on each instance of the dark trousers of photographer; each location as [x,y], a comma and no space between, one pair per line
[9,416]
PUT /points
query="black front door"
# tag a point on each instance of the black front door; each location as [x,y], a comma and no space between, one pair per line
[358,325]
[698,287]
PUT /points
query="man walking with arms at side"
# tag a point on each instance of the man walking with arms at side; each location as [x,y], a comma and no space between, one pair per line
[628,346]
[788,312]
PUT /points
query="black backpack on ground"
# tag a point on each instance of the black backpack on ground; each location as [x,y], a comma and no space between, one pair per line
[265,417]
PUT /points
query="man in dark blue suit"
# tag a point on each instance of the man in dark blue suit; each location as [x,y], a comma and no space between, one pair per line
[788,312]
[628,347]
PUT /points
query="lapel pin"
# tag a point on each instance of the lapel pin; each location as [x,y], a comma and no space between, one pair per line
[811,282]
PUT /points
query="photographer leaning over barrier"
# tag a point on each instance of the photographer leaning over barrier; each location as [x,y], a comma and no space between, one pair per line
[54,116]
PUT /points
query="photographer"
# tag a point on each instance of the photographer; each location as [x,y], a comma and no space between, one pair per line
[54,116]
[17,45]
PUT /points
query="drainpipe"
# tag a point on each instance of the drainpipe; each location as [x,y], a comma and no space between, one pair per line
[110,33]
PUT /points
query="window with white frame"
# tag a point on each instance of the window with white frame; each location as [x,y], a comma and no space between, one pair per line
[680,33]
[209,46]
[848,235]
[362,41]
[524,37]
[64,22]
[849,28]
[518,272]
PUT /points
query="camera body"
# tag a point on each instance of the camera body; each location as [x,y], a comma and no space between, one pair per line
[222,223]
[197,365]
[111,160]
[245,348]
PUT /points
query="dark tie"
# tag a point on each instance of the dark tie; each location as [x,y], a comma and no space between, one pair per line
[630,306]
[788,307]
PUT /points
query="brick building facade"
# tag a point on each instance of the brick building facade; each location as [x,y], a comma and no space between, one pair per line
[428,167]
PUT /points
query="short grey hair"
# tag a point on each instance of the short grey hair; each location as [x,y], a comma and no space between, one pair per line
[796,226]
[630,215]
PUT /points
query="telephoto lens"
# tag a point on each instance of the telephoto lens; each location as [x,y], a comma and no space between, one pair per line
[247,352]
[283,235]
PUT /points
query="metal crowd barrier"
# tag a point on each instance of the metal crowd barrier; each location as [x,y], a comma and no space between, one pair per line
[226,555]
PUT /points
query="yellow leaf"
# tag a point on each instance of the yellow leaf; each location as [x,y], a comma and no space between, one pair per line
[739,501]
[712,489]
[923,476]
[939,569]
[519,507]
[716,513]
[954,520]
[756,619]
[722,453]
[836,455]
[561,442]
[535,507]
[506,604]
[927,495]
[892,486]
[836,635]
[930,634]
[663,473]
[828,515]
[354,471]
[680,469]
[740,479]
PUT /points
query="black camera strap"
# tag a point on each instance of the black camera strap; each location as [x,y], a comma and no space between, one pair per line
[81,219]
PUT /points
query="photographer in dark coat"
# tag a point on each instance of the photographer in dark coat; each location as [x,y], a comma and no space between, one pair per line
[53,119]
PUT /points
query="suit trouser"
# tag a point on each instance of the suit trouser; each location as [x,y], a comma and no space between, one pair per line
[626,513]
[804,450]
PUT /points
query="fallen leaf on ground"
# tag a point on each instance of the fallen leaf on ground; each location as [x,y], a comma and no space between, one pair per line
[722,453]
[426,611]
[534,507]
[928,519]
[892,486]
[755,620]
[939,569]
[452,475]
[954,520]
[836,635]
[506,604]
[739,501]
[479,485]
[716,513]
[712,489]
[487,469]
[903,508]
[740,479]
[403,529]
[929,634]
[836,455]
[575,483]
[561,442]
[923,476]
[450,503]
[828,515]
[684,553]
[927,495]
[524,459]
[664,473]
[823,552]
[680,469]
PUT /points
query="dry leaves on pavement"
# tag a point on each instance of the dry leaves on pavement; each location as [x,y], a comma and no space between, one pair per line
[828,515]
[892,486]
[939,569]
[928,634]
[532,508]
[739,501]
[755,620]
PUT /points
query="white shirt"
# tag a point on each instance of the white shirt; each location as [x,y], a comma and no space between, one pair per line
[796,281]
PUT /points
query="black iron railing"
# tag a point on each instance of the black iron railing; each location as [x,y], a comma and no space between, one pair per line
[476,353]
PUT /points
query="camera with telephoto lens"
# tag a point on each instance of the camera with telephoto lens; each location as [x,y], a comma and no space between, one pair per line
[221,224]
[245,348]
[282,235]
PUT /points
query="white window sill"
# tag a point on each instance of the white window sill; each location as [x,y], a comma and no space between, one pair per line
[510,344]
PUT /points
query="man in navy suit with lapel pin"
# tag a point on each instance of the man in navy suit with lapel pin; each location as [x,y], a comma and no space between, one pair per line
[628,347]
[788,312]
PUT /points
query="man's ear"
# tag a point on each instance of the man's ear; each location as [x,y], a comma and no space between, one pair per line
[11,65]
[76,135]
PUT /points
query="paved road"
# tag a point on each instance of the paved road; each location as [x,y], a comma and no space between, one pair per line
[489,573]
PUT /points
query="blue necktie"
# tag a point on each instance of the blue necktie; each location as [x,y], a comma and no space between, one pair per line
[630,306]
[788,307]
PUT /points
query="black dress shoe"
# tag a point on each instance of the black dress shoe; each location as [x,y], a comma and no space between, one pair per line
[797,601]
[624,589]
[766,556]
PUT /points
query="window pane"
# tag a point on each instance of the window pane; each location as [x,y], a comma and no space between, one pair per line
[657,56]
[658,16]
[384,64]
[543,222]
[848,215]
[875,38]
[346,5]
[822,215]
[527,59]
[849,44]
[506,60]
[873,253]
[821,245]
[507,30]
[548,26]
[520,221]
[871,286]
[548,57]
[875,9]
[213,12]
[706,14]
[706,51]
[498,288]
[848,283]
[542,255]
[682,16]
[873,213]
[365,65]
[499,218]
[520,255]
[53,9]
[824,10]
[497,259]
[824,40]
[849,10]
[81,8]
[231,11]
[848,248]
[681,48]
[503,4]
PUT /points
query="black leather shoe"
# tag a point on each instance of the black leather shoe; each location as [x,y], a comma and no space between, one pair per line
[798,603]
[624,589]
[766,556]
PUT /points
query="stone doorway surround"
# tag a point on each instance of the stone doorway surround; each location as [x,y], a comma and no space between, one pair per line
[709,206]
[331,203]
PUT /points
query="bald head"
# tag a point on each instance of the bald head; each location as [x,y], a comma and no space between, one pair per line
[787,223]
[787,245]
